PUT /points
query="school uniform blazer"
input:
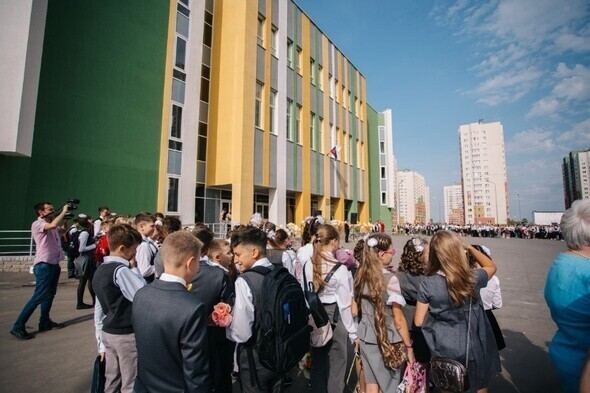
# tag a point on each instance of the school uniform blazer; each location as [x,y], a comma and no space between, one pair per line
[171,334]
[212,285]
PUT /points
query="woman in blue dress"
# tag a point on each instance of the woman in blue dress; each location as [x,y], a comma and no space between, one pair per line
[567,293]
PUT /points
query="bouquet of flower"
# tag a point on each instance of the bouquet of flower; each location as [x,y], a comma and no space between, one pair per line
[221,315]
[305,365]
[294,229]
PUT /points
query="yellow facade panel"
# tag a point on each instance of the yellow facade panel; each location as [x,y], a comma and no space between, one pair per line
[163,164]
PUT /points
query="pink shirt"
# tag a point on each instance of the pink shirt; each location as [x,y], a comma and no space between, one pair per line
[48,243]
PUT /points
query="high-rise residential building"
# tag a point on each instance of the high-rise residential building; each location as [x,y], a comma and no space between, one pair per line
[453,197]
[483,173]
[576,176]
[180,106]
[381,166]
[412,198]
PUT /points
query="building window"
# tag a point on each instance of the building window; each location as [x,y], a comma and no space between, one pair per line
[260,30]
[313,72]
[383,198]
[180,52]
[299,59]
[178,90]
[289,115]
[175,129]
[382,172]
[202,148]
[298,125]
[173,194]
[382,147]
[207,34]
[321,77]
[258,105]
[320,136]
[274,42]
[204,90]
[312,131]
[273,111]
[290,48]
[182,24]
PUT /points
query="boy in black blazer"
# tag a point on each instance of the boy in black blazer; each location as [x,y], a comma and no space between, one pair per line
[171,324]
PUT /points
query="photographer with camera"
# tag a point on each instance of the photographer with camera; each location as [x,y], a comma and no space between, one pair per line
[45,232]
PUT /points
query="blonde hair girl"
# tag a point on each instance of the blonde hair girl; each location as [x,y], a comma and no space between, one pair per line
[449,294]
[328,368]
[383,331]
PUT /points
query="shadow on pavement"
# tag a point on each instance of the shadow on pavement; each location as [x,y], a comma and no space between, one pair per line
[527,365]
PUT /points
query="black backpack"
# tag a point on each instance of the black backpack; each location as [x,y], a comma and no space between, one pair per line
[73,244]
[281,330]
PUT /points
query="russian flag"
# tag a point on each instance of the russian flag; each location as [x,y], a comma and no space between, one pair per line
[334,152]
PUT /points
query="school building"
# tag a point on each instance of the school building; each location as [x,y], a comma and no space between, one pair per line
[187,107]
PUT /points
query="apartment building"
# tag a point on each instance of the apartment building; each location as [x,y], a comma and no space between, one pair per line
[483,173]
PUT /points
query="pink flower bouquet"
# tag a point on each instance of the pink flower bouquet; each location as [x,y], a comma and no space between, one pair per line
[221,315]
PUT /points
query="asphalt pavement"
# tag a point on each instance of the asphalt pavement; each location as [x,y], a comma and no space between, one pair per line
[62,360]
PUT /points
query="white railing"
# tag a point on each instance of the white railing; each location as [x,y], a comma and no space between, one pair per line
[16,242]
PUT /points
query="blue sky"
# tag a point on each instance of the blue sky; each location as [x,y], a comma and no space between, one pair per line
[440,64]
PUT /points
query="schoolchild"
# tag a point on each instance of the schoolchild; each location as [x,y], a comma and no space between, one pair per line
[278,242]
[329,363]
[382,330]
[146,252]
[220,255]
[249,248]
[212,285]
[410,273]
[116,281]
[86,261]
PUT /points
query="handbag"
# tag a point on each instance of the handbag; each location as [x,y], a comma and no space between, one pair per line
[414,379]
[321,332]
[98,376]
[449,374]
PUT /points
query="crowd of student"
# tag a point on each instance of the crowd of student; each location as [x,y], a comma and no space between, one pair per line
[163,294]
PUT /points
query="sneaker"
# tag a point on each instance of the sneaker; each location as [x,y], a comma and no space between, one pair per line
[51,325]
[84,306]
[21,334]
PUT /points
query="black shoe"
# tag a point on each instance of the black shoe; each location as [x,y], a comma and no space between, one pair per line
[288,381]
[21,334]
[51,325]
[84,306]
[71,275]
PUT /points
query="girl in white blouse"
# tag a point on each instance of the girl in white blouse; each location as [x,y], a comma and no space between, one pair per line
[329,363]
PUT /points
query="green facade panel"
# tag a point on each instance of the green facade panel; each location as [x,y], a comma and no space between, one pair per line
[99,111]
[376,210]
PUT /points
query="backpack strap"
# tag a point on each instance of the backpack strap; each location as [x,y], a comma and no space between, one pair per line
[325,281]
[251,343]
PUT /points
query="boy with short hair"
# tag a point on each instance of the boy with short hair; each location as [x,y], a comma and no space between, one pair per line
[220,255]
[212,285]
[170,324]
[115,282]
[146,252]
[249,248]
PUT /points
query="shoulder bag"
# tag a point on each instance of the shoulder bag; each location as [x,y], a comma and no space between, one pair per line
[318,317]
[449,374]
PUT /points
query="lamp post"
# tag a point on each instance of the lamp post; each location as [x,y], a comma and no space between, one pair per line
[495,198]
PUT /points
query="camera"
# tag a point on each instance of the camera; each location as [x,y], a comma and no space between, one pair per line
[72,205]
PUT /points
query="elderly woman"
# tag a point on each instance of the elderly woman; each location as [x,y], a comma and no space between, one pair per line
[567,293]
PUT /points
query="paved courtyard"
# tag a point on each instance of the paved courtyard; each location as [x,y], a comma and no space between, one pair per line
[61,360]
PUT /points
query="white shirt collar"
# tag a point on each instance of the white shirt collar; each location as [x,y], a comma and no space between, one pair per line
[112,258]
[172,278]
[211,263]
[262,262]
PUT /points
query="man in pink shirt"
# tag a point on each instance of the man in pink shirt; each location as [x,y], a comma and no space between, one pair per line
[45,232]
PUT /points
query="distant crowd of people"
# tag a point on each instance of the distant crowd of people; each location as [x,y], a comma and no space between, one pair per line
[552,232]
[177,310]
